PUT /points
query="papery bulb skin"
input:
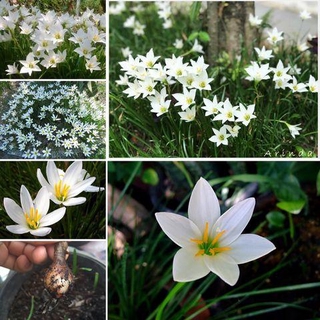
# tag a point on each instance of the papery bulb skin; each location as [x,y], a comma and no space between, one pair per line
[58,277]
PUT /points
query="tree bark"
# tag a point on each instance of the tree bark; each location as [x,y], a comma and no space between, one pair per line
[228,28]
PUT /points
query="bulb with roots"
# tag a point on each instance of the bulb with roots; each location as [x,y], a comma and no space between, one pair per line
[58,277]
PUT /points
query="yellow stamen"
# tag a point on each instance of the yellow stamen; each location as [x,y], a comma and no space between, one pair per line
[217,237]
[207,246]
[33,218]
[61,190]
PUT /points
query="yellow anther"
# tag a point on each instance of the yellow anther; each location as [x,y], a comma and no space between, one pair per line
[61,190]
[207,246]
[33,218]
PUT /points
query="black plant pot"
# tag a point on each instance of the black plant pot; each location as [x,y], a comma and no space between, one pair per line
[12,285]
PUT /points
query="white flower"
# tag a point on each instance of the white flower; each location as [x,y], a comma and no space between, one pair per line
[32,216]
[293,128]
[149,60]
[185,99]
[178,44]
[302,46]
[244,115]
[221,136]
[63,189]
[188,115]
[210,242]
[257,73]
[197,47]
[202,81]
[304,15]
[280,72]
[12,69]
[30,64]
[297,87]
[264,54]
[274,36]
[227,112]
[212,107]
[254,20]
[313,84]
[126,52]
[92,64]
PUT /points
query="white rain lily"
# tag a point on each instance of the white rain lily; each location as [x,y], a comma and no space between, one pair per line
[254,20]
[63,188]
[258,73]
[304,15]
[293,128]
[188,115]
[32,216]
[210,242]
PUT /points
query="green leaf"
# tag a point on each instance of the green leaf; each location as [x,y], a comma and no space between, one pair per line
[276,219]
[195,10]
[294,207]
[150,176]
[204,36]
[193,36]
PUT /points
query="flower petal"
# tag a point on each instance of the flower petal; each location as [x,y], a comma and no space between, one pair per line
[41,232]
[14,211]
[42,180]
[25,199]
[74,201]
[42,201]
[73,173]
[224,267]
[188,267]
[249,247]
[80,186]
[93,189]
[52,173]
[203,205]
[52,217]
[17,229]
[234,221]
[178,228]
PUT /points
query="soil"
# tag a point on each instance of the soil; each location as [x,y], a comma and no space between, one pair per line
[80,303]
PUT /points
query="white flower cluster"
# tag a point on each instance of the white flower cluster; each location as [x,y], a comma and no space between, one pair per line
[52,119]
[148,79]
[281,77]
[53,38]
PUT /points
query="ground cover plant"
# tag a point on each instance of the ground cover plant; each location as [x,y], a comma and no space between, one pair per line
[53,120]
[51,44]
[53,200]
[167,101]
[143,263]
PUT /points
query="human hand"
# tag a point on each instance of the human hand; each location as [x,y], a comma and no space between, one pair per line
[20,256]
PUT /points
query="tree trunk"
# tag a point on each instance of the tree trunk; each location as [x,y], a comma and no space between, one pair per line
[228,28]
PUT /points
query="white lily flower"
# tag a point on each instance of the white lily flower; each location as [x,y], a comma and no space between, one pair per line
[210,242]
[63,187]
[33,217]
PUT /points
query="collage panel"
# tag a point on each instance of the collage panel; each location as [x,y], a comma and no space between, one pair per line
[52,39]
[53,120]
[53,150]
[53,280]
[213,239]
[213,79]
[53,199]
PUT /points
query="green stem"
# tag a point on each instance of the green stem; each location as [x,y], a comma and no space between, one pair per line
[31,309]
[168,298]
[291,226]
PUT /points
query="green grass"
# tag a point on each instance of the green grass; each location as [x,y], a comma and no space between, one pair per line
[136,132]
